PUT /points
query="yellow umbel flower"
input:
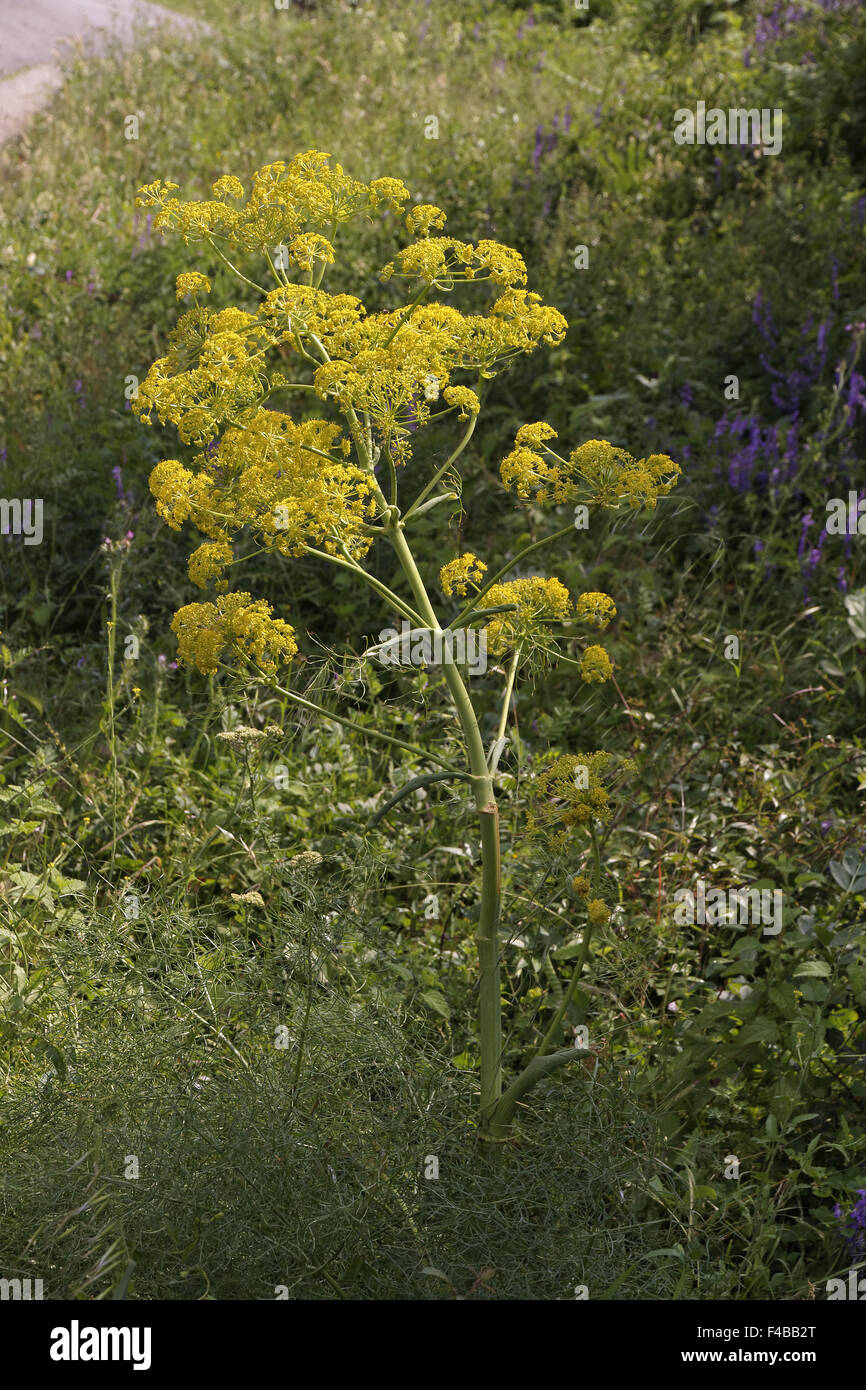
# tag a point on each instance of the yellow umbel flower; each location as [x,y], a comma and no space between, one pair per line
[598,912]
[533,436]
[611,476]
[208,562]
[581,886]
[530,321]
[458,574]
[464,398]
[290,488]
[595,665]
[235,622]
[596,609]
[310,247]
[596,472]
[228,187]
[391,191]
[180,494]
[538,601]
[422,218]
[524,472]
[191,282]
[503,264]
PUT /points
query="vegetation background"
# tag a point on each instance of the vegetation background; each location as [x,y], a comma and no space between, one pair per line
[140,998]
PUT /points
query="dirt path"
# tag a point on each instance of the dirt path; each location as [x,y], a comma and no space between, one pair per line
[33,33]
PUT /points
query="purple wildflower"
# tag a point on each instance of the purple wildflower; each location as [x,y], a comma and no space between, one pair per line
[855,1225]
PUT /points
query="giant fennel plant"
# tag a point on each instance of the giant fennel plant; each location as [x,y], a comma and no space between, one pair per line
[335,485]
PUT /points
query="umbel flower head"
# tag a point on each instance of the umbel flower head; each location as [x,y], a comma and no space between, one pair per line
[457,575]
[236,623]
[539,602]
[573,791]
[595,472]
[596,609]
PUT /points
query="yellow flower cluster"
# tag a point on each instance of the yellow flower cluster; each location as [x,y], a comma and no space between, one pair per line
[539,601]
[181,494]
[464,398]
[191,282]
[310,247]
[457,575]
[422,218]
[596,609]
[236,622]
[571,792]
[213,370]
[533,436]
[382,363]
[613,476]
[293,484]
[595,665]
[276,477]
[530,322]
[525,472]
[285,200]
[391,191]
[444,258]
[290,488]
[598,912]
[581,886]
[227,186]
[596,472]
[206,564]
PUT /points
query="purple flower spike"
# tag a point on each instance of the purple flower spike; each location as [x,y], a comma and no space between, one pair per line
[855,1226]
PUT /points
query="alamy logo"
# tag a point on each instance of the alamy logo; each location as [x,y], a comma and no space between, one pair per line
[855,1290]
[21,1289]
[846,521]
[22,516]
[76,1343]
[738,126]
[739,906]
[424,646]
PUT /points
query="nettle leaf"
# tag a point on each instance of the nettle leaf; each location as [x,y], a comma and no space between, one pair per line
[760,1030]
[812,968]
[437,1002]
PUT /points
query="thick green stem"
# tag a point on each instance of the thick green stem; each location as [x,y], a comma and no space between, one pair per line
[543,1063]
[487,936]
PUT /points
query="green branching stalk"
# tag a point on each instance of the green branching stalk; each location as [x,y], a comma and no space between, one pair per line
[357,728]
[506,569]
[440,472]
